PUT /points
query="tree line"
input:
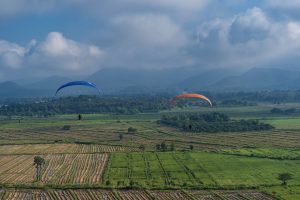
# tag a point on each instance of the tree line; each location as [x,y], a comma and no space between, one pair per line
[212,123]
[88,105]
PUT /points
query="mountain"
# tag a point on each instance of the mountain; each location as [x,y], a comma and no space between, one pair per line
[50,83]
[204,80]
[259,79]
[145,81]
[10,89]
[138,80]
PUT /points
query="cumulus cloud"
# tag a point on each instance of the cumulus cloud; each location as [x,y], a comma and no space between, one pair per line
[149,30]
[11,55]
[145,40]
[246,40]
[294,30]
[154,34]
[56,54]
[252,25]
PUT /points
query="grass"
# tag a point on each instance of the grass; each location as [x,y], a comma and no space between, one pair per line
[198,169]
[275,153]
[287,123]
[284,192]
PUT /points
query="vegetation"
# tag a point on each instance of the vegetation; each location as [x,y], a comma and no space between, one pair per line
[233,102]
[152,159]
[282,111]
[132,130]
[273,153]
[38,162]
[87,104]
[212,122]
[284,177]
[196,169]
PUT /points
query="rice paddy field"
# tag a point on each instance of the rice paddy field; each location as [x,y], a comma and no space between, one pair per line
[133,194]
[97,158]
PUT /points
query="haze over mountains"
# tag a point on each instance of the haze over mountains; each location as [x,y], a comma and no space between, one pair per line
[141,81]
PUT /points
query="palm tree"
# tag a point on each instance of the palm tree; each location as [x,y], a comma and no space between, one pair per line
[38,162]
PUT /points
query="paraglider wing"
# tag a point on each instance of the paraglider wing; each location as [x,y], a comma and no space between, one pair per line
[192,95]
[79,83]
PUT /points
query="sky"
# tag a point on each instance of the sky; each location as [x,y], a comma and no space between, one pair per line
[41,38]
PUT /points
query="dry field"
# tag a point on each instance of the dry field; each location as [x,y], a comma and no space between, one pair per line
[59,169]
[97,194]
[60,149]
[169,195]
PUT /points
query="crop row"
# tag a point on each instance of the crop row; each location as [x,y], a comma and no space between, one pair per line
[60,148]
[195,169]
[96,194]
[59,169]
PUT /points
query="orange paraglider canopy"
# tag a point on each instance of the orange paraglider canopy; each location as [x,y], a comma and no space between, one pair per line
[192,95]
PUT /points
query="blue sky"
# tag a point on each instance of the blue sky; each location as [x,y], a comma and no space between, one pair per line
[78,37]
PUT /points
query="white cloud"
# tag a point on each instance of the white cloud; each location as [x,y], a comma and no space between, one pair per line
[149,30]
[56,54]
[56,45]
[294,30]
[245,40]
[146,40]
[251,25]
[11,55]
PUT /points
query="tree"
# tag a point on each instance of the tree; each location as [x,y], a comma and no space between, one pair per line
[158,147]
[66,127]
[172,147]
[142,147]
[131,130]
[38,161]
[284,177]
[121,136]
[164,147]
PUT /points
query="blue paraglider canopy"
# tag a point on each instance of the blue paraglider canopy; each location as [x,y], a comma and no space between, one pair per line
[77,83]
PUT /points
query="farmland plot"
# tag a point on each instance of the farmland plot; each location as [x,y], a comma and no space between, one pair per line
[169,195]
[59,169]
[289,192]
[74,168]
[165,169]
[204,195]
[17,169]
[134,195]
[60,148]
[228,170]
[255,195]
[232,195]
[59,195]
[149,169]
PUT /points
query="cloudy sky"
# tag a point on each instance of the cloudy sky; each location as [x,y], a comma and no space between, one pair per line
[79,37]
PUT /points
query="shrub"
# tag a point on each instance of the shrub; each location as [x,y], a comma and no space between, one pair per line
[66,127]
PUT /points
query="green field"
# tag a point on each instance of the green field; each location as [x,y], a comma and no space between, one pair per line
[290,192]
[240,160]
[197,169]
